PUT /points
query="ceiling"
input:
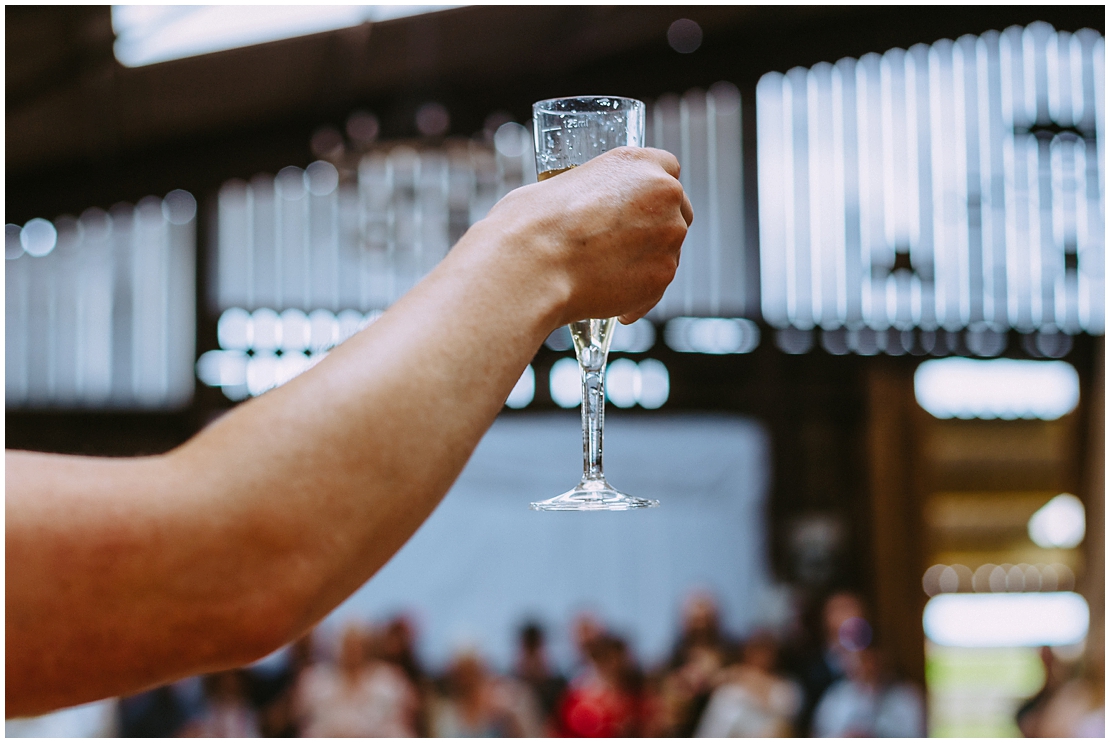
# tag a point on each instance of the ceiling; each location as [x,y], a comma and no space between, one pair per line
[82,130]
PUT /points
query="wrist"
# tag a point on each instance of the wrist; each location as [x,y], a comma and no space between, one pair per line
[517,261]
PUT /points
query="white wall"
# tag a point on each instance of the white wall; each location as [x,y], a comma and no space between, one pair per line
[483,561]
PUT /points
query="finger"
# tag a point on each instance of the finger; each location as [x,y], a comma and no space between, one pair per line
[665,159]
[687,210]
[630,317]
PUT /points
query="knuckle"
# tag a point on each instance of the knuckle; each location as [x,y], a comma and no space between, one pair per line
[626,153]
[677,231]
[675,190]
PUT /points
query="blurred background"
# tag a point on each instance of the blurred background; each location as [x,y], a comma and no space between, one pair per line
[871,403]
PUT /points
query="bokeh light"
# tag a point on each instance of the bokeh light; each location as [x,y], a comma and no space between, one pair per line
[513,140]
[326,141]
[524,390]
[290,183]
[1006,620]
[350,322]
[1062,522]
[323,330]
[179,207]
[797,341]
[38,237]
[263,371]
[432,119]
[712,335]
[655,384]
[234,330]
[223,368]
[996,388]
[290,364]
[622,383]
[991,578]
[321,178]
[684,36]
[296,332]
[560,339]
[96,223]
[266,330]
[363,127]
[13,246]
[634,338]
[284,346]
[565,383]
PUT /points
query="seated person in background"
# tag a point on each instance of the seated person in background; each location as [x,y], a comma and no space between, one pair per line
[125,574]
[1029,714]
[1076,707]
[362,698]
[606,701]
[837,630]
[868,703]
[395,644]
[533,670]
[751,700]
[228,713]
[701,652]
[274,686]
[478,705]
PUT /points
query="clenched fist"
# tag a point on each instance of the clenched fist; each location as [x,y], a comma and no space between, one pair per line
[608,233]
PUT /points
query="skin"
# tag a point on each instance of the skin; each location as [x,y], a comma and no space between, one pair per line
[124,574]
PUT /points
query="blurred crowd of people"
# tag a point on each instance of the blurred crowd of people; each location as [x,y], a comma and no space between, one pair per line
[829,682]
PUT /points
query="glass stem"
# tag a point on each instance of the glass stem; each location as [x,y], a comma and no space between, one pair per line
[593,420]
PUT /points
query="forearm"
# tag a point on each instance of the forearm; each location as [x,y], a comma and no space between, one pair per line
[356,453]
[238,541]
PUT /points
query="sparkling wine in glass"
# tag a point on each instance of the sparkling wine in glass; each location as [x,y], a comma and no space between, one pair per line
[568,132]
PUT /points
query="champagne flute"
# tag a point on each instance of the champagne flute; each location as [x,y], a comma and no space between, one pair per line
[568,132]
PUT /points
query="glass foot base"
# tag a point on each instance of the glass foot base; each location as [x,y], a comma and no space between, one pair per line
[593,496]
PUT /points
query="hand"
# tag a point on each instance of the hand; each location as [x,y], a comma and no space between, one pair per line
[611,231]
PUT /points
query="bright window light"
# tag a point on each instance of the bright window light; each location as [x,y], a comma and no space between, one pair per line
[655,384]
[996,388]
[234,329]
[38,237]
[265,330]
[513,140]
[291,364]
[263,372]
[566,384]
[560,339]
[635,338]
[524,389]
[350,322]
[1006,620]
[323,329]
[1059,523]
[296,332]
[147,34]
[622,383]
[222,368]
[713,335]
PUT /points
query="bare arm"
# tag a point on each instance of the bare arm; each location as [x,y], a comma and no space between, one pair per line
[124,574]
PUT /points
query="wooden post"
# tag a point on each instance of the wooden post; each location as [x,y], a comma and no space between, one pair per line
[1094,476]
[895,518]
